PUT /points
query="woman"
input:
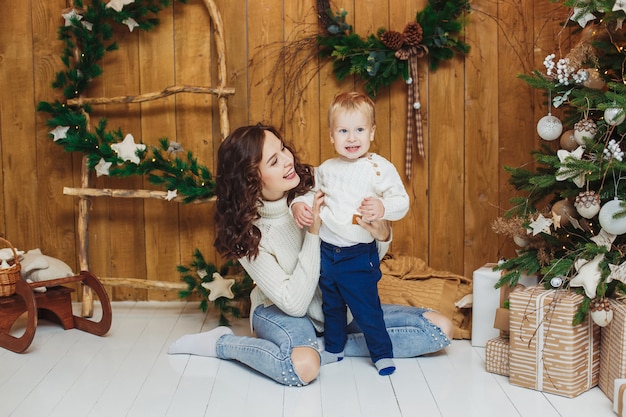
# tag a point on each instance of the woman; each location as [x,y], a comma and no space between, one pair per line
[257,176]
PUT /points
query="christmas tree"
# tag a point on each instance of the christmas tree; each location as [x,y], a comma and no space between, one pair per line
[569,219]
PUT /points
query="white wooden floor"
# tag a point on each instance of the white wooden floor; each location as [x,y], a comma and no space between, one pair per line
[128,373]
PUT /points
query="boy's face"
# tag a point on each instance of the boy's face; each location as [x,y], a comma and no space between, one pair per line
[351,133]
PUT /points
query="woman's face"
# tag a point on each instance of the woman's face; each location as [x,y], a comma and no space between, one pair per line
[277,169]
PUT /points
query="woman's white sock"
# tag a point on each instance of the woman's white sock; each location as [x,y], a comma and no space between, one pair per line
[201,344]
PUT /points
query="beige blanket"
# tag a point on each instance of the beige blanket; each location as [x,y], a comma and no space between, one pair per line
[409,281]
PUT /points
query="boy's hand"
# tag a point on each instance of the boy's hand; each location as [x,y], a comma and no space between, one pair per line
[302,214]
[372,209]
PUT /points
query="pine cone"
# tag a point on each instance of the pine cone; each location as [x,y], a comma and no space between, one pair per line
[413,34]
[392,39]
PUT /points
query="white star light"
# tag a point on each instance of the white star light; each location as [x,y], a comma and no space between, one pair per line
[131,23]
[171,194]
[59,132]
[68,17]
[541,224]
[118,5]
[566,172]
[219,287]
[202,273]
[127,150]
[582,18]
[102,168]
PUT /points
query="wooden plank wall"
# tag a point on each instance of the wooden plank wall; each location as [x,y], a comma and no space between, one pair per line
[478,117]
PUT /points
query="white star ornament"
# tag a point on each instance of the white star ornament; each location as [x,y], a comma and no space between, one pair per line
[541,224]
[59,132]
[566,172]
[219,287]
[127,149]
[102,168]
[582,18]
[171,194]
[619,5]
[118,5]
[588,276]
[68,17]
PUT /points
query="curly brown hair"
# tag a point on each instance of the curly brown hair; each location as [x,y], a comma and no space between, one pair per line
[238,188]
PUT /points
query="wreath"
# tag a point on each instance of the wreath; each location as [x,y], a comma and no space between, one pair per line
[87,36]
[379,60]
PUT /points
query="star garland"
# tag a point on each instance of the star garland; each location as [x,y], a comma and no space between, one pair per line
[87,34]
[379,60]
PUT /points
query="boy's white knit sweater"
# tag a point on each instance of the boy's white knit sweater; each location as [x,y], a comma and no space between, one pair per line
[345,184]
[287,269]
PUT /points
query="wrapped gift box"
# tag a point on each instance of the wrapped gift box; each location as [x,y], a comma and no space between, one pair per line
[497,356]
[613,349]
[619,397]
[486,299]
[548,353]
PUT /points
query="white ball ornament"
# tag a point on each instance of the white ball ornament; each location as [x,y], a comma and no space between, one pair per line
[417,105]
[602,317]
[520,241]
[549,128]
[587,204]
[614,116]
[615,226]
[585,130]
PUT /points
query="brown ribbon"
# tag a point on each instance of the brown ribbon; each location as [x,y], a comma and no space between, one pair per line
[414,130]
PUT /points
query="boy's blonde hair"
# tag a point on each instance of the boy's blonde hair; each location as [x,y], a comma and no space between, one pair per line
[349,102]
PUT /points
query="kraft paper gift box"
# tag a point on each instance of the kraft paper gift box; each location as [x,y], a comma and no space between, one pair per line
[619,397]
[486,299]
[497,356]
[613,349]
[548,353]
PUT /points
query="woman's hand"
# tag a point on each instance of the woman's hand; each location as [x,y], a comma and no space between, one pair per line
[379,229]
[318,201]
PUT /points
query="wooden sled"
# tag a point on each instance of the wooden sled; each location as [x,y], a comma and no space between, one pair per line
[55,304]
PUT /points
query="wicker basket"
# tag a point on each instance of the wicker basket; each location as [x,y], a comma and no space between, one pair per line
[9,276]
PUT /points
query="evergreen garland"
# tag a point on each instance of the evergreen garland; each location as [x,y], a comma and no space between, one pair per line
[200,271]
[375,60]
[87,39]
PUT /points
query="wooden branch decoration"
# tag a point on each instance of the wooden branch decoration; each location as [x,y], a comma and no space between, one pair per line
[118,193]
[142,283]
[168,91]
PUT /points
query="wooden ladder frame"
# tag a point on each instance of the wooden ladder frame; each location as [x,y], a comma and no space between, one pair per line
[85,192]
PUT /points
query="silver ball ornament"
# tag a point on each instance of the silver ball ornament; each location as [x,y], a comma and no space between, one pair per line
[556,282]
